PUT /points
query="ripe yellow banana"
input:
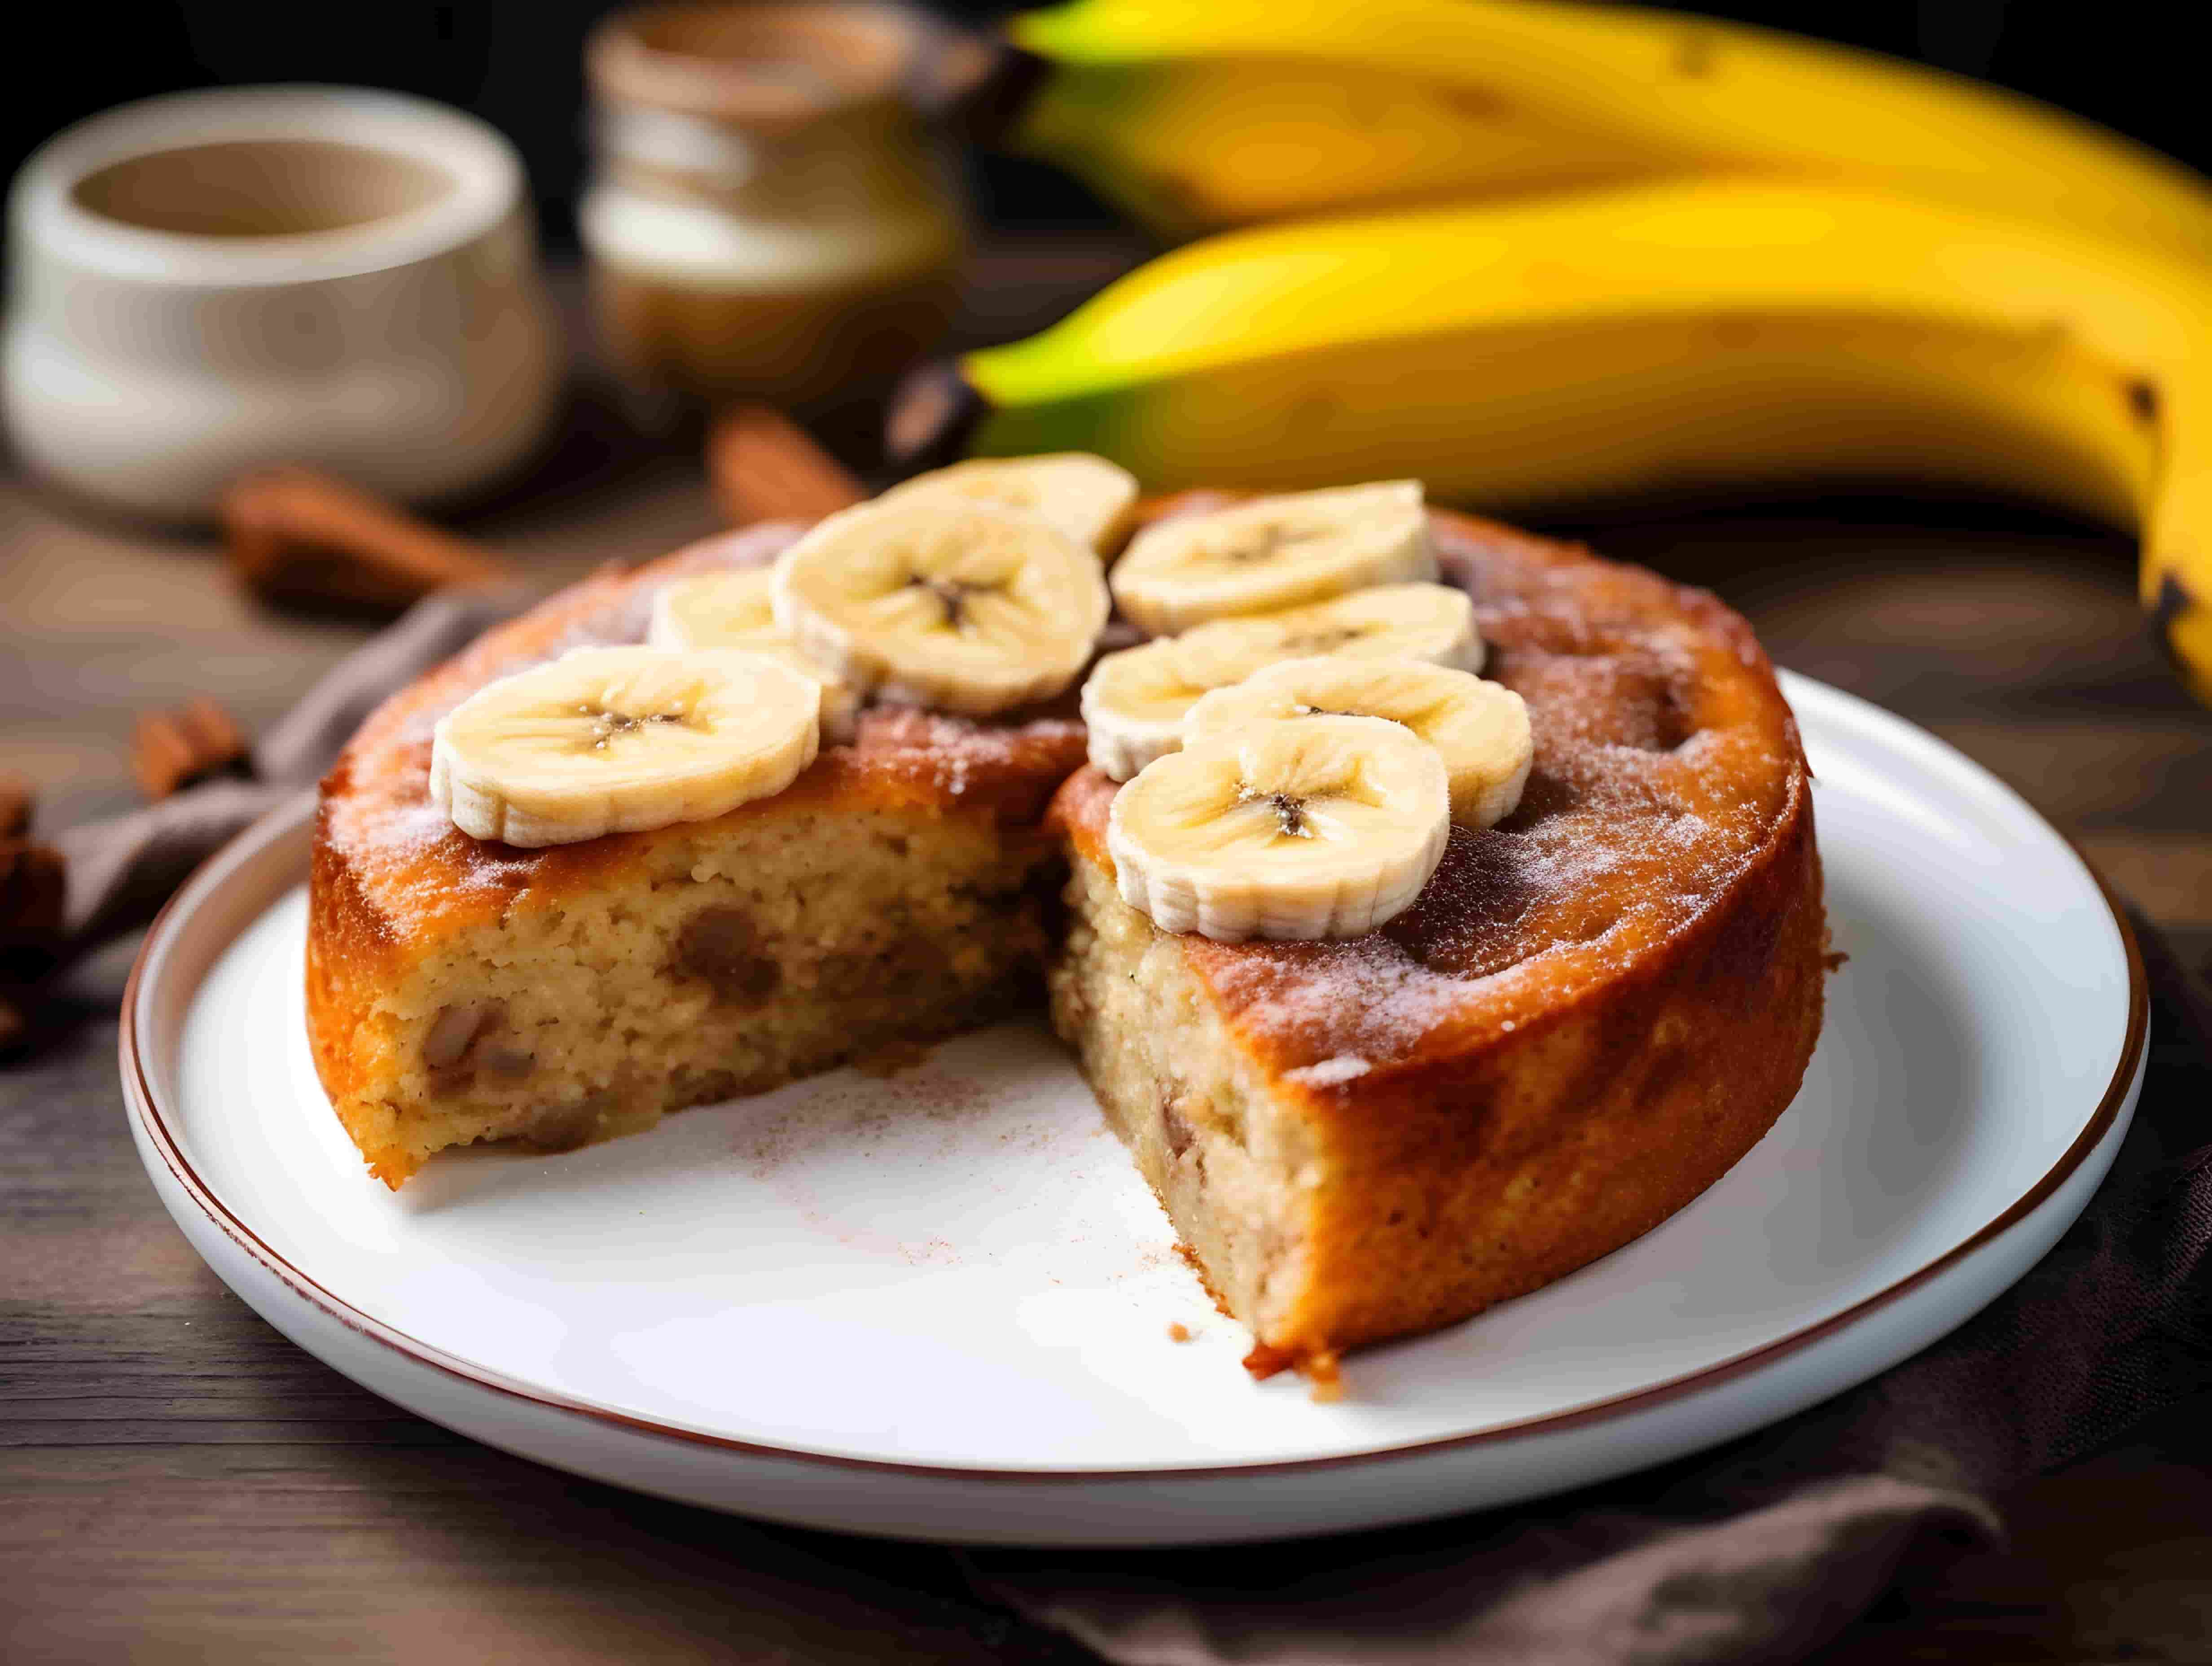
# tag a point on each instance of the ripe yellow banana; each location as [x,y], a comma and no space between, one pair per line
[1201,116]
[1708,332]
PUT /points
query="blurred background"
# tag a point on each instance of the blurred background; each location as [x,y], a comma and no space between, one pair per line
[516,63]
[2011,631]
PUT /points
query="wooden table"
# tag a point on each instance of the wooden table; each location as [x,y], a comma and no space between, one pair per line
[178,1482]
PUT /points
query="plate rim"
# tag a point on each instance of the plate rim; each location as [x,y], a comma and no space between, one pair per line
[144,1105]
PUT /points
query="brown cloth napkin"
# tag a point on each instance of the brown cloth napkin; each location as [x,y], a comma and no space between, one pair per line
[121,871]
[1761,1550]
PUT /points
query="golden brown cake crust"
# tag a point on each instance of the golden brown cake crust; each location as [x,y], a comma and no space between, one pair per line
[1594,1010]
[392,875]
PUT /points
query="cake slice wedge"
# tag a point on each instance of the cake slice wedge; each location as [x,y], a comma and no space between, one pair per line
[1593,1011]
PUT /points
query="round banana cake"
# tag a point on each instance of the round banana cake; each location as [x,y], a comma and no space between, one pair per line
[1604,988]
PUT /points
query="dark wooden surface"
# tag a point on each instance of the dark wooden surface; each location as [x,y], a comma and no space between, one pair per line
[179,1483]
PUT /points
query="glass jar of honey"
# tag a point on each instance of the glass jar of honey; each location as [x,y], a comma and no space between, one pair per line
[767,215]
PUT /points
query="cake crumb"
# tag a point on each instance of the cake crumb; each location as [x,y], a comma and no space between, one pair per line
[1343,1067]
[1263,1362]
[1327,1378]
[1179,1332]
[892,1059]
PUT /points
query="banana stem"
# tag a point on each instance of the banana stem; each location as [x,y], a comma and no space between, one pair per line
[932,416]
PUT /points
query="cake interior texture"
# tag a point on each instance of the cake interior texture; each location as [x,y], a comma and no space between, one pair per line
[461,990]
[1349,1200]
[769,946]
[1202,1127]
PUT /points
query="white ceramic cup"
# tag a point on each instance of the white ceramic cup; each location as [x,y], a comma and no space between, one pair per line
[209,281]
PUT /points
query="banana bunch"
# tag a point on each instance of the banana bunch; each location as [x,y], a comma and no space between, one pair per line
[1703,332]
[1583,249]
[1197,118]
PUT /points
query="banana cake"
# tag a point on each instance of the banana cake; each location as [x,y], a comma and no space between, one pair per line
[462,990]
[1409,988]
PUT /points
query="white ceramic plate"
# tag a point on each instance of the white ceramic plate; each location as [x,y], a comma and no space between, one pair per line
[939,1306]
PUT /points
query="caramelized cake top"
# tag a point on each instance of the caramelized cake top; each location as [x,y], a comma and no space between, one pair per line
[1667,770]
[410,874]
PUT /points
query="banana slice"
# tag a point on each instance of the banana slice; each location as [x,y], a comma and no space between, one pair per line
[621,740]
[732,609]
[1480,729]
[1274,552]
[1431,621]
[1134,701]
[1085,496]
[1324,828]
[968,609]
[728,609]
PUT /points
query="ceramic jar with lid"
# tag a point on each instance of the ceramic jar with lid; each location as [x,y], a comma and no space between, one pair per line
[766,215]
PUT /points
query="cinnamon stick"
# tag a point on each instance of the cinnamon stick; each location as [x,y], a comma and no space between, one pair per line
[298,535]
[766,467]
[16,801]
[33,880]
[185,745]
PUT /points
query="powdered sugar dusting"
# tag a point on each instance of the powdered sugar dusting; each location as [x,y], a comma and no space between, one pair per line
[1344,1067]
[1660,770]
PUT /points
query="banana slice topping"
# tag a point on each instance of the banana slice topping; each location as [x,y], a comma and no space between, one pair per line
[968,609]
[1086,497]
[1431,621]
[1134,701]
[732,608]
[1274,552]
[621,740]
[729,609]
[1325,827]
[1479,729]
